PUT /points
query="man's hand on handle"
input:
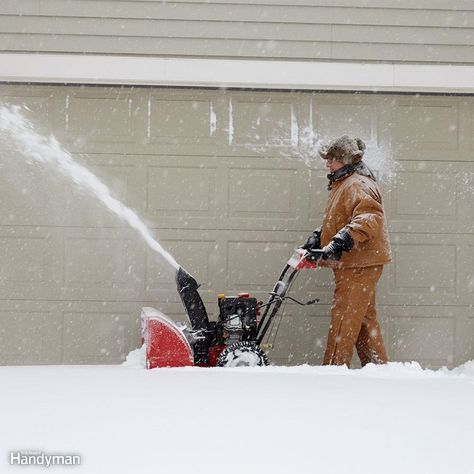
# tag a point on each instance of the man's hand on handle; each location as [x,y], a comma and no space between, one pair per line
[341,242]
[314,240]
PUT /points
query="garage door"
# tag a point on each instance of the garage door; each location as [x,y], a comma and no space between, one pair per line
[221,179]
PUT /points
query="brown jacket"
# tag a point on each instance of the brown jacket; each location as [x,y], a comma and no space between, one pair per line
[355,202]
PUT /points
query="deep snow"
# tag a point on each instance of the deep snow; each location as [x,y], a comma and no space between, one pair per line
[125,419]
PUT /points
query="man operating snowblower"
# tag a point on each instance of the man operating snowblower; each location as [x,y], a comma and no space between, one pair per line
[353,241]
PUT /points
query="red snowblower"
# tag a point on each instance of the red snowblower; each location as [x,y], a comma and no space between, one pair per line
[233,340]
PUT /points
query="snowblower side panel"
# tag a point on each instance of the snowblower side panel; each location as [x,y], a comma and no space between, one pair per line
[166,343]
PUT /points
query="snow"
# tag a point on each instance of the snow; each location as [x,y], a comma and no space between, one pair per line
[396,418]
[136,358]
[38,148]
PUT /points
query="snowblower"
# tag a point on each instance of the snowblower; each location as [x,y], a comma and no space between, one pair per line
[235,339]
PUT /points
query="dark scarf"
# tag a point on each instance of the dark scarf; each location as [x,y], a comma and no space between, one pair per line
[359,168]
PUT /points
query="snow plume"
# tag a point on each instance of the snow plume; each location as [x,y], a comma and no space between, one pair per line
[303,145]
[295,142]
[49,151]
[381,161]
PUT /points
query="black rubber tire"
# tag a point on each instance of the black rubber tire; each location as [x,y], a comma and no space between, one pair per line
[242,354]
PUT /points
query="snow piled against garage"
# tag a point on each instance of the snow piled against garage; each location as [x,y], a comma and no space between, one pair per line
[397,418]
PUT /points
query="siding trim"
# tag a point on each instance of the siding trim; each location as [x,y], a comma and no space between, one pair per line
[235,73]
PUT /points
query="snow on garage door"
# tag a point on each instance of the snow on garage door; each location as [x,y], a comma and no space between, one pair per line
[216,176]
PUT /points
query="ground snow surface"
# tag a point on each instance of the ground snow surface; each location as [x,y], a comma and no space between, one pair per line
[125,419]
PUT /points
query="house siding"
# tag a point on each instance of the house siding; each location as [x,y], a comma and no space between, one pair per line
[394,31]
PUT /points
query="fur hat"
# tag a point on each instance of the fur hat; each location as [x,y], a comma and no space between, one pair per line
[345,149]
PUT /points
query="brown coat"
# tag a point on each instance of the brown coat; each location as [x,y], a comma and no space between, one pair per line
[355,202]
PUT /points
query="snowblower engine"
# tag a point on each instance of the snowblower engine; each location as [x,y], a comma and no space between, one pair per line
[237,319]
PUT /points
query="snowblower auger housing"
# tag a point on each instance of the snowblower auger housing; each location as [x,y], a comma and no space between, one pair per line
[234,339]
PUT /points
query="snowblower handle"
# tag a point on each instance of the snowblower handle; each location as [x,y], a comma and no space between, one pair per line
[302,258]
[298,261]
[314,255]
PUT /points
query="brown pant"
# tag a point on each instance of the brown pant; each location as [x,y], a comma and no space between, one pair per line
[354,319]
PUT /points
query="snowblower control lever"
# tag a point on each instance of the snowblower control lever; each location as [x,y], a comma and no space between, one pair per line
[277,296]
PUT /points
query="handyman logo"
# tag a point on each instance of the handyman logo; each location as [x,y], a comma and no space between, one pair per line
[35,458]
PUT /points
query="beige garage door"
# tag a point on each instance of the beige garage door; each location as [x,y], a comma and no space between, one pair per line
[217,176]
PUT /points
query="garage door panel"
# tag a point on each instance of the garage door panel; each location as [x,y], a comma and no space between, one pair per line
[431,197]
[428,269]
[255,259]
[99,119]
[426,127]
[100,115]
[255,264]
[97,337]
[265,119]
[276,193]
[31,249]
[27,262]
[345,115]
[264,194]
[99,264]
[426,195]
[300,339]
[187,117]
[30,337]
[184,191]
[37,337]
[409,275]
[185,123]
[83,268]
[414,338]
[181,191]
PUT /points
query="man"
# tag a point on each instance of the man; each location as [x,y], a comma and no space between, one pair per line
[353,241]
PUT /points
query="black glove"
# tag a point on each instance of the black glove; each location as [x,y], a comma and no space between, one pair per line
[341,242]
[314,240]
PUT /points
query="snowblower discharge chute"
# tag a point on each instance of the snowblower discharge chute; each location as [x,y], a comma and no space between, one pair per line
[234,339]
